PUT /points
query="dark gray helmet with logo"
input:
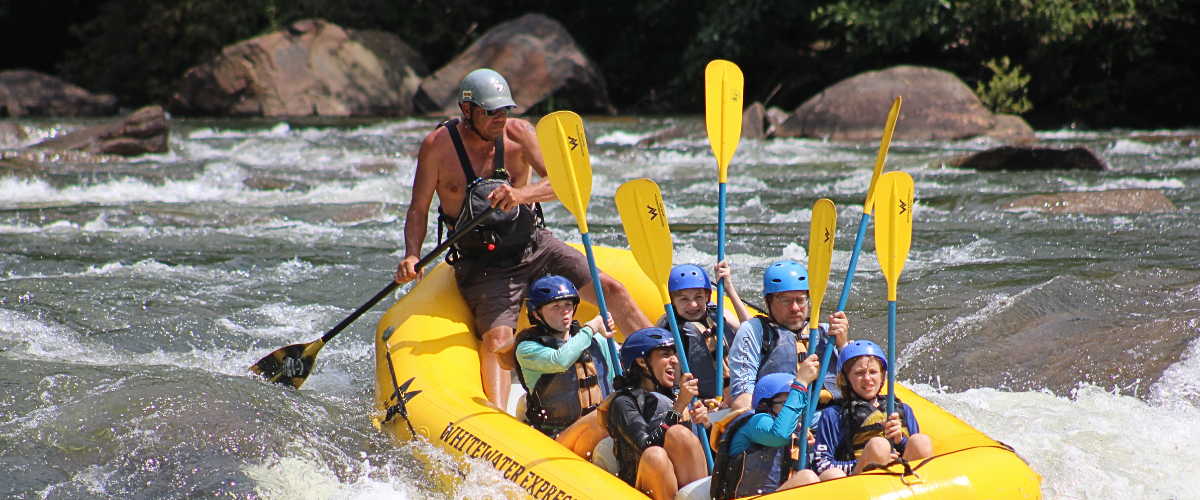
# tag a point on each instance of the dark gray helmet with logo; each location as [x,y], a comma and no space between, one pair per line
[485,88]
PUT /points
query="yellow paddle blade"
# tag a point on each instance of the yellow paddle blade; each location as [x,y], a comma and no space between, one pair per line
[723,111]
[886,141]
[820,252]
[564,148]
[893,225]
[641,207]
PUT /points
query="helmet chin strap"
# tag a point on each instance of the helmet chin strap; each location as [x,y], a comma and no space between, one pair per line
[471,124]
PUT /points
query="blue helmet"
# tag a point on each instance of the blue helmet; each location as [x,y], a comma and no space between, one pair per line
[688,276]
[770,386]
[643,341]
[548,289]
[861,348]
[785,276]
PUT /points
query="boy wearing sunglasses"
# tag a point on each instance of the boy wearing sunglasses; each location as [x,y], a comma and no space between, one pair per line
[482,160]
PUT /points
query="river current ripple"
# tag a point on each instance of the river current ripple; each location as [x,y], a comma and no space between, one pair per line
[134,293]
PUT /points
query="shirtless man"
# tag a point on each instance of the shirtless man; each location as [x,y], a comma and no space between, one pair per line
[493,285]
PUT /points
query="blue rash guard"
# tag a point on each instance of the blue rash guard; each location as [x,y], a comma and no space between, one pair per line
[771,431]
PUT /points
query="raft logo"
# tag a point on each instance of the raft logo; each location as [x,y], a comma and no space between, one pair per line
[471,446]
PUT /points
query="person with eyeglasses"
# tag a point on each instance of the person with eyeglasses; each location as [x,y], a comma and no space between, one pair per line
[482,160]
[754,451]
[774,343]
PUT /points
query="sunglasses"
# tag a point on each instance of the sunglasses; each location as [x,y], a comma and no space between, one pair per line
[492,113]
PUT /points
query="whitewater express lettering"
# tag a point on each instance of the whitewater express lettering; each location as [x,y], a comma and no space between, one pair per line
[471,446]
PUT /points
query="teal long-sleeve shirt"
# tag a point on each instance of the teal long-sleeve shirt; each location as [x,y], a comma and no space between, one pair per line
[537,360]
[771,431]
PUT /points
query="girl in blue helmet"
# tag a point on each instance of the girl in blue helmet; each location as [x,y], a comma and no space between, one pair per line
[853,433]
[754,454]
[691,296]
[563,366]
[769,344]
[656,451]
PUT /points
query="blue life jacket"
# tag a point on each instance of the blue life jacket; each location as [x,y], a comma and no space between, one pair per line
[756,471]
[702,359]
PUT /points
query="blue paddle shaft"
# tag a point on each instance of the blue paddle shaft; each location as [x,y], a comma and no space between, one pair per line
[858,243]
[700,431]
[612,345]
[721,295]
[891,354]
[814,392]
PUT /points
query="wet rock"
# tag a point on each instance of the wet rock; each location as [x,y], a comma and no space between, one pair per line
[1115,201]
[311,68]
[775,116]
[537,57]
[1013,158]
[12,136]
[29,93]
[144,131]
[1012,128]
[754,121]
[937,106]
[275,184]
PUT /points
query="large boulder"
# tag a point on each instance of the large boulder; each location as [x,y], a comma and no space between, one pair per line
[311,68]
[1014,158]
[1110,202]
[29,93]
[937,106]
[754,121]
[539,59]
[144,131]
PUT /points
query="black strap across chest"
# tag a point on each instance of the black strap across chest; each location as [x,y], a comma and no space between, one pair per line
[498,171]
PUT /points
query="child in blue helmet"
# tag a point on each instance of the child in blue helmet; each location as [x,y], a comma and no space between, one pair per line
[656,451]
[754,450]
[691,295]
[769,344]
[563,366]
[853,432]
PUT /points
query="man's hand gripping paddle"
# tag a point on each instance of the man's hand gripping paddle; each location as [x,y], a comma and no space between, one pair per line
[820,257]
[293,364]
[642,214]
[564,148]
[723,84]
[893,237]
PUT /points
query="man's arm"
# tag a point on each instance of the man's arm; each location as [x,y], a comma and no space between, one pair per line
[523,133]
[743,363]
[416,220]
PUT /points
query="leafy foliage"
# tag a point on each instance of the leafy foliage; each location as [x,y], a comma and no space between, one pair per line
[1005,93]
[1103,62]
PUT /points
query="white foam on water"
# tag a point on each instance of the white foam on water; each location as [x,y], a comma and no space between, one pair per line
[975,252]
[622,138]
[1131,147]
[307,477]
[1094,444]
[1125,183]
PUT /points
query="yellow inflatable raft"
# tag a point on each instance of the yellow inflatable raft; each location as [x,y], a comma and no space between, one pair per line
[433,349]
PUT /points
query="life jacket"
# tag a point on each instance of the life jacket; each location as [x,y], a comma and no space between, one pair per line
[755,471]
[503,233]
[557,400]
[864,421]
[652,409]
[700,343]
[778,356]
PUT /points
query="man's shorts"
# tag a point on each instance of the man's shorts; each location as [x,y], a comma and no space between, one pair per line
[494,294]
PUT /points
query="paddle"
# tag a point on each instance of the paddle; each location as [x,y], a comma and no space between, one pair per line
[820,257]
[723,113]
[293,364]
[564,148]
[868,205]
[641,207]
[893,237]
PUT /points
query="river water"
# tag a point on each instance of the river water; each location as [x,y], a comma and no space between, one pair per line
[134,294]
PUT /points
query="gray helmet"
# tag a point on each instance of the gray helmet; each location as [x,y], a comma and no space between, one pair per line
[485,88]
